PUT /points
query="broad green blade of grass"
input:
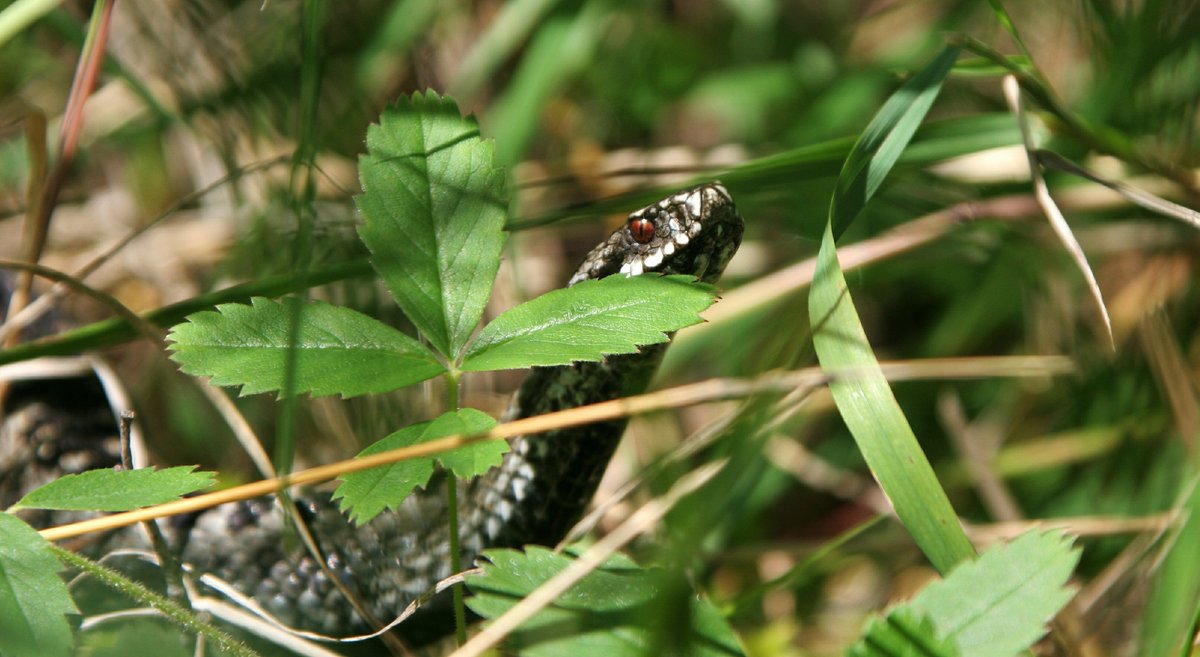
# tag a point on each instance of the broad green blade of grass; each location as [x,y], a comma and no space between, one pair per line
[1174,608]
[884,140]
[512,26]
[863,396]
[561,49]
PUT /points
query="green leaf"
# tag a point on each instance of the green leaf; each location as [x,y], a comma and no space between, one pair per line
[1000,603]
[33,598]
[861,392]
[994,606]
[366,494]
[337,350]
[588,321]
[884,139]
[902,633]
[471,460]
[434,207]
[611,612]
[117,490]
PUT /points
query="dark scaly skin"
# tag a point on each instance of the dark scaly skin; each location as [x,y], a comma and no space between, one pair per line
[541,488]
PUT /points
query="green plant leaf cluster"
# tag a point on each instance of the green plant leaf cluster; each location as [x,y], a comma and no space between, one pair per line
[434,209]
[993,606]
[609,612]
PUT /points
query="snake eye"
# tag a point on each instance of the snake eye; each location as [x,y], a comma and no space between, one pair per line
[642,230]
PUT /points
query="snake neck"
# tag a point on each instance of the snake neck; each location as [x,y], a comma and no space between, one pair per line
[539,490]
[545,483]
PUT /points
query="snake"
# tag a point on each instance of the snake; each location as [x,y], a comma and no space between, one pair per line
[538,491]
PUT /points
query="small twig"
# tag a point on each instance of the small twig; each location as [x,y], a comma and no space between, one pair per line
[125,426]
[977,456]
[681,396]
[1012,92]
[251,605]
[170,566]
[1143,199]
[814,472]
[1079,525]
[30,313]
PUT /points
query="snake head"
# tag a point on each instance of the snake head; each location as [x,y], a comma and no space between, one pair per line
[694,232]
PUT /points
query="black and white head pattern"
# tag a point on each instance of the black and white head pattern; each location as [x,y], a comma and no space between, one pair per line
[673,236]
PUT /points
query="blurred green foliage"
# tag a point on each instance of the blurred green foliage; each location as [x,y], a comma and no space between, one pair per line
[598,105]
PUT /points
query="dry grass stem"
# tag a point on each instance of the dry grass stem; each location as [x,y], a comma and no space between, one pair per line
[686,395]
[1012,93]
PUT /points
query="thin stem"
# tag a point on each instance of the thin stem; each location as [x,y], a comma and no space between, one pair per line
[172,571]
[173,612]
[460,611]
[1096,136]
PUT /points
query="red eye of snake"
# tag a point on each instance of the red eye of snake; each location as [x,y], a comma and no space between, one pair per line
[642,230]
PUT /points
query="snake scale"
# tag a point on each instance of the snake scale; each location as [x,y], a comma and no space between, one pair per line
[540,489]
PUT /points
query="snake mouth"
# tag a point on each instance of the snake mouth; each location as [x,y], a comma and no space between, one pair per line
[695,232]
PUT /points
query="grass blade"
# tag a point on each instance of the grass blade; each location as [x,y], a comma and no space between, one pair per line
[866,403]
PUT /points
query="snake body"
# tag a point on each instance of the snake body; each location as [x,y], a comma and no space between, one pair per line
[538,491]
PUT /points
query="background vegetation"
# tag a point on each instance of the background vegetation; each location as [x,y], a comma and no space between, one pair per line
[230,131]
